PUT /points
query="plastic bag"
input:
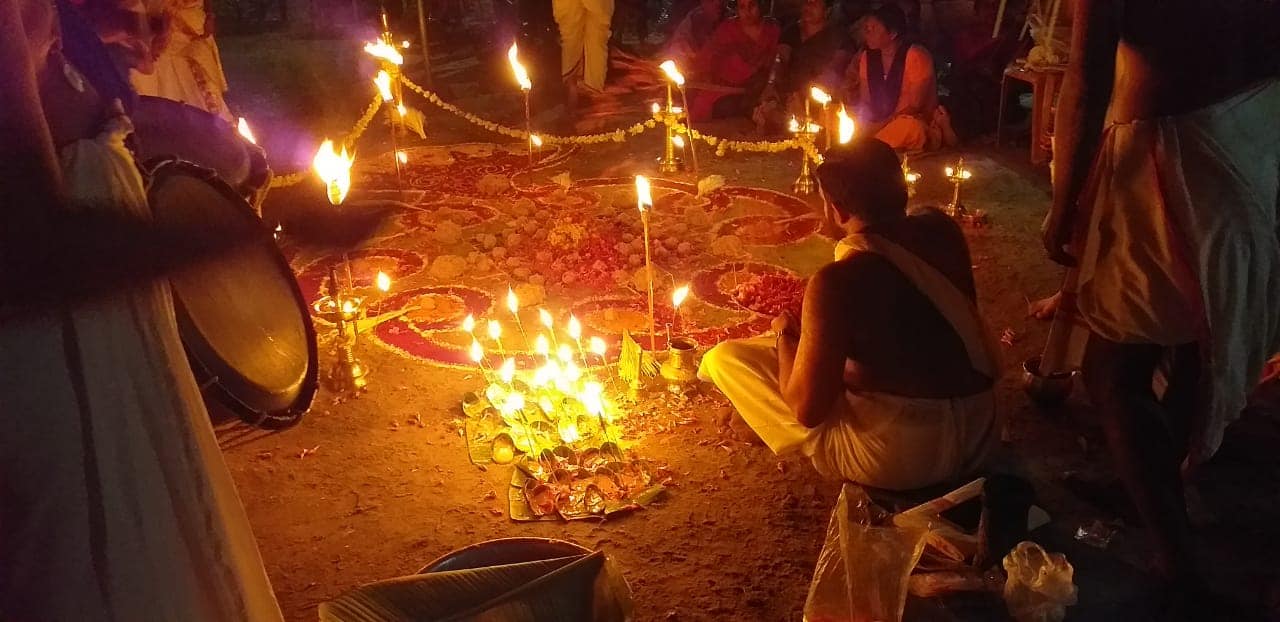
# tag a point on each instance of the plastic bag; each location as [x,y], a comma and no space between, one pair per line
[863,569]
[1039,587]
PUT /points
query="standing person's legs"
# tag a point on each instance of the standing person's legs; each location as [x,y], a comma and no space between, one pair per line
[1141,433]
[595,41]
[570,18]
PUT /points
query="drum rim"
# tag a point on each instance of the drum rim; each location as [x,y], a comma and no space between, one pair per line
[310,384]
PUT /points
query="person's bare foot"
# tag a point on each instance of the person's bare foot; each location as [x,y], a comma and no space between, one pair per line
[732,425]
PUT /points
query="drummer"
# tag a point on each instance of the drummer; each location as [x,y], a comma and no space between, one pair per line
[114,500]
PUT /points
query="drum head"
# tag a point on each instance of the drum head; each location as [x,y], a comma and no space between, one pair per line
[242,317]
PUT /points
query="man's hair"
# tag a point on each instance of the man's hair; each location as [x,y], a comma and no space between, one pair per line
[893,18]
[864,179]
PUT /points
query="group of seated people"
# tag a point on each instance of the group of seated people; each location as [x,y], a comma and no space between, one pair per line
[749,66]
[887,378]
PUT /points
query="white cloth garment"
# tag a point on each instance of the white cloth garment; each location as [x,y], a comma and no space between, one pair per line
[189,69]
[115,503]
[584,38]
[1180,243]
[876,439]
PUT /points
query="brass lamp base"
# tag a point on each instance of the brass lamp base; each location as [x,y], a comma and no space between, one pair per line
[670,165]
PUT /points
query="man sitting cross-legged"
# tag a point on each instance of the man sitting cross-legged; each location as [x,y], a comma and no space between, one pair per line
[888,379]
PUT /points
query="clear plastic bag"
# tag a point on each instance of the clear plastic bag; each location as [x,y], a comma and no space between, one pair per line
[863,570]
[1040,585]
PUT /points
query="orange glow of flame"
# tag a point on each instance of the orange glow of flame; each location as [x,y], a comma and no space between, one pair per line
[568,430]
[469,323]
[383,82]
[495,330]
[334,169]
[565,353]
[845,126]
[598,346]
[819,95]
[678,141]
[401,110]
[402,157]
[383,282]
[242,127]
[673,73]
[541,345]
[405,44]
[644,200]
[679,295]
[656,108]
[545,318]
[521,74]
[383,51]
[508,370]
[477,351]
[513,303]
[536,140]
[575,327]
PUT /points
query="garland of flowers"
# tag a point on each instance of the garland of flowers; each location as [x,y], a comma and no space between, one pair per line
[357,130]
[619,135]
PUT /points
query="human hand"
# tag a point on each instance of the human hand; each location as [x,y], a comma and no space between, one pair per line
[1045,308]
[786,324]
[1055,234]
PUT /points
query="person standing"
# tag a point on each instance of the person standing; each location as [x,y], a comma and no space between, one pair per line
[115,503]
[187,66]
[1165,199]
[584,41]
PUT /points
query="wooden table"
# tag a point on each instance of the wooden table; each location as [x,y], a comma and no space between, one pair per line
[1044,83]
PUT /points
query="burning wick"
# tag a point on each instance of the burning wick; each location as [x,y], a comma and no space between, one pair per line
[383,82]
[495,333]
[673,73]
[279,230]
[513,305]
[242,127]
[477,356]
[564,353]
[402,157]
[469,324]
[384,51]
[575,331]
[845,126]
[508,370]
[536,140]
[334,169]
[542,346]
[401,110]
[545,318]
[383,282]
[521,74]
[678,141]
[405,44]
[677,297]
[819,96]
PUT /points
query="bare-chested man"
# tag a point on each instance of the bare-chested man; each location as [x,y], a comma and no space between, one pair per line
[1172,229]
[887,380]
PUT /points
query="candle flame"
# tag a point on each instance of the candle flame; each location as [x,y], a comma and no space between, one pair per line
[679,295]
[242,126]
[514,402]
[348,306]
[334,169]
[911,177]
[495,330]
[405,44]
[401,110]
[673,73]
[644,199]
[575,327]
[402,157]
[541,345]
[965,174]
[383,281]
[384,51]
[536,140]
[677,140]
[598,346]
[383,82]
[846,126]
[545,318]
[794,127]
[819,95]
[951,172]
[469,323]
[521,74]
[513,303]
[508,370]
[565,353]
[656,108]
[569,430]
[477,351]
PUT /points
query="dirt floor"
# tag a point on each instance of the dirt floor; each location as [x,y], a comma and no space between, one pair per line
[378,486]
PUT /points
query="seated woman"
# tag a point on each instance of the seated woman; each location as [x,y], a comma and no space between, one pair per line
[897,92]
[805,51]
[888,379]
[734,66]
[694,31]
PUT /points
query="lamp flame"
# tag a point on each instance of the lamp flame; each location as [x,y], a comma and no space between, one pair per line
[545,318]
[384,51]
[679,295]
[402,157]
[405,44]
[644,200]
[508,370]
[521,74]
[673,73]
[541,345]
[495,330]
[598,346]
[575,327]
[564,353]
[242,126]
[469,323]
[513,303]
[677,140]
[383,82]
[846,127]
[819,95]
[334,169]
[401,110]
[536,140]
[568,430]
[383,281]
[655,108]
[477,351]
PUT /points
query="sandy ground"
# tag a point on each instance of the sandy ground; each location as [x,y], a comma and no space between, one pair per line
[381,496]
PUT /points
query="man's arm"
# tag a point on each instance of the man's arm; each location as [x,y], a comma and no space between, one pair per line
[811,369]
[1082,109]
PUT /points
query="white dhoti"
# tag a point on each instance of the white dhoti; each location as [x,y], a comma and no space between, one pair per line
[584,38]
[115,503]
[1179,243]
[189,70]
[876,439]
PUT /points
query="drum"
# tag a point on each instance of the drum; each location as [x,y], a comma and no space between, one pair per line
[242,318]
[165,129]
